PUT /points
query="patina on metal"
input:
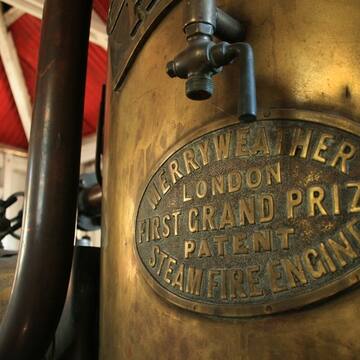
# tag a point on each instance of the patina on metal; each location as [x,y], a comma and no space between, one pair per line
[129,26]
[307,64]
[131,22]
[252,220]
[203,58]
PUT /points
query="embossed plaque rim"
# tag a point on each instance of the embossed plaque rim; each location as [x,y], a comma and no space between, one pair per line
[269,308]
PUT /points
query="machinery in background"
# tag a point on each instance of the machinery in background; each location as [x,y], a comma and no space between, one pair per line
[10,226]
[77,334]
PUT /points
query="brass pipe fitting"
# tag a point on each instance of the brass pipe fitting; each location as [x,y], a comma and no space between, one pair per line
[203,58]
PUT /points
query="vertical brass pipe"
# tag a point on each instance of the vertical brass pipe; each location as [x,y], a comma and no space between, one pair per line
[45,257]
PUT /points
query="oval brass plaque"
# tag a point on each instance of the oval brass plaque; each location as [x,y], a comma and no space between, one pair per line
[254,219]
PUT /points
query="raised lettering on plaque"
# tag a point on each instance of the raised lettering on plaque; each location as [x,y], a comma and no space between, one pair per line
[254,219]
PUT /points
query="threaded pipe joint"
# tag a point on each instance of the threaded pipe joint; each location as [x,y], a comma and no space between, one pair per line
[199,87]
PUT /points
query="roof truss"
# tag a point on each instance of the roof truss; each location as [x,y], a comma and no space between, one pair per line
[98,33]
[15,76]
[10,59]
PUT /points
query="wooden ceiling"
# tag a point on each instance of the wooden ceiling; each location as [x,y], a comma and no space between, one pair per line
[23,26]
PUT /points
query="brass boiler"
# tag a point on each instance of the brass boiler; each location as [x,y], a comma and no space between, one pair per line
[306,55]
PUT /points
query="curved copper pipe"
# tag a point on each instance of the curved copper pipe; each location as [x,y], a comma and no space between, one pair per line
[44,262]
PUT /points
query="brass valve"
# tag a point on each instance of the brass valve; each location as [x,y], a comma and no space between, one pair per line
[203,58]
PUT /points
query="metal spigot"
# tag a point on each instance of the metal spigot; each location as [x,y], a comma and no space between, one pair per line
[203,58]
[195,65]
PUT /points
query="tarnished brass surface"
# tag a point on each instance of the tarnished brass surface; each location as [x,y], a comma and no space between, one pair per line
[130,24]
[253,220]
[306,58]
